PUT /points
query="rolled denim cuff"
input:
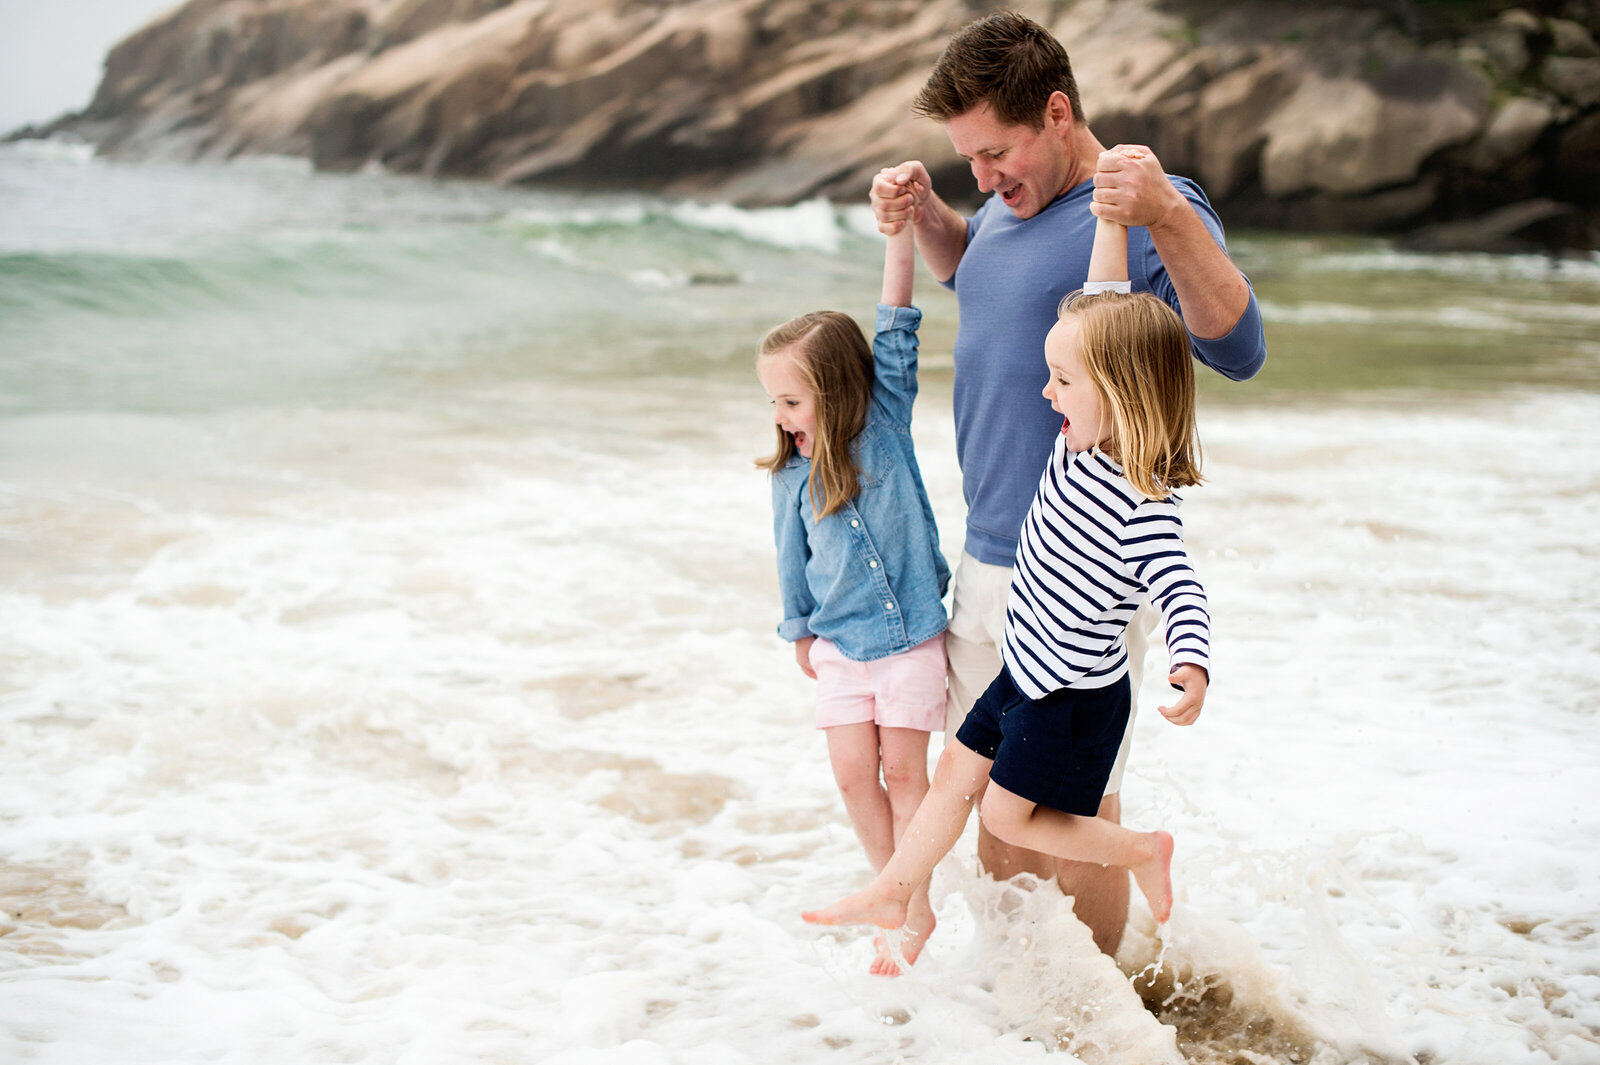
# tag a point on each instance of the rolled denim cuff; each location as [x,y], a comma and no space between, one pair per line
[794,629]
[896,318]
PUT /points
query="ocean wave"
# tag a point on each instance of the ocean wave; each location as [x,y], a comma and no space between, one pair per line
[1477,266]
[559,215]
[1449,317]
[55,149]
[34,284]
[313,265]
[814,225]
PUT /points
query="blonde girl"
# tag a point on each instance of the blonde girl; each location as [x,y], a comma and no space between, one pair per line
[859,567]
[1103,530]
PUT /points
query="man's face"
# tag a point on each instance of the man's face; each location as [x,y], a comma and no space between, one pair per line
[1028,168]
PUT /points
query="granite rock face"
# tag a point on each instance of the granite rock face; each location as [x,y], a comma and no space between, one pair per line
[1332,116]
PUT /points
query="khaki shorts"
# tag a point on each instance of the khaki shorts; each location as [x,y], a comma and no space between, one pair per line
[977,630]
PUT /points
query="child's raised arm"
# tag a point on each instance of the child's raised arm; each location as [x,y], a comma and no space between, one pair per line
[1108,259]
[899,264]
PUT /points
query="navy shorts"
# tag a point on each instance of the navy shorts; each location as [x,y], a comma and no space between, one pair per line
[1057,751]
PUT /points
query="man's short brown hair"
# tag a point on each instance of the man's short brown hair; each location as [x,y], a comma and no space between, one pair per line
[1005,60]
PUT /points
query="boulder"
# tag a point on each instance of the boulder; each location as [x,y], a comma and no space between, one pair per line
[1575,80]
[1352,135]
[1571,38]
[1505,47]
[1516,126]
[1325,116]
[1234,110]
[1532,225]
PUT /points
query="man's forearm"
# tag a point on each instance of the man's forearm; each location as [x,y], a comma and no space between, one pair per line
[1213,293]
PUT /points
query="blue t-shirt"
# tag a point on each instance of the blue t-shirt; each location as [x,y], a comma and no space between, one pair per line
[869,577]
[1008,284]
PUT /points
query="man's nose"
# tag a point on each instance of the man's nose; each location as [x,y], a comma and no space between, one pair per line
[983,174]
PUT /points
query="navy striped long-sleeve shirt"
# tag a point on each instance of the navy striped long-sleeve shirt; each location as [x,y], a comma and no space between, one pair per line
[1090,546]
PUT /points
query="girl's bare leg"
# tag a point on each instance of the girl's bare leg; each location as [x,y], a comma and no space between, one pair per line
[933,831]
[905,777]
[1148,855]
[857,753]
[853,752]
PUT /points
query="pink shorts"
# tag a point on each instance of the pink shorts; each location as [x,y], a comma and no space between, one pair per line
[902,691]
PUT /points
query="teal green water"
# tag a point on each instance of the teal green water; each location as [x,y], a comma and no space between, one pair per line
[145,287]
[1352,314]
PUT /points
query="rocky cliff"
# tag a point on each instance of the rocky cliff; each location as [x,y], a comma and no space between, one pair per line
[1314,116]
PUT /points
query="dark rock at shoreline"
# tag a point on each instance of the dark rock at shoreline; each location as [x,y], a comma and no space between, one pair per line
[1533,225]
[1330,117]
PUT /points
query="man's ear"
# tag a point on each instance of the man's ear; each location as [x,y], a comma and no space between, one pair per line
[1058,112]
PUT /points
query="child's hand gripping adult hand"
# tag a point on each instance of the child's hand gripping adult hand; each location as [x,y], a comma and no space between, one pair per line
[1131,187]
[897,195]
[802,655]
[1192,680]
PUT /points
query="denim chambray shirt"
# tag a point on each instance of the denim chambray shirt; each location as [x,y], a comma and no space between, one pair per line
[869,577]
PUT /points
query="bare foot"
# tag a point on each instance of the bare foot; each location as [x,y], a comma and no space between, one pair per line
[883,963]
[920,923]
[864,907]
[1154,876]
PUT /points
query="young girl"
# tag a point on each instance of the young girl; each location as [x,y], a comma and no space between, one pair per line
[1103,529]
[859,565]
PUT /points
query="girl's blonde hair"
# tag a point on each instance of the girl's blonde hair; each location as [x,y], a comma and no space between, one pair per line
[835,362]
[1136,352]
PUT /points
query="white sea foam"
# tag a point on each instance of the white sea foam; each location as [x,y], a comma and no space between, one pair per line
[308,758]
[1318,313]
[1583,268]
[56,149]
[811,224]
[583,214]
[1474,319]
[658,279]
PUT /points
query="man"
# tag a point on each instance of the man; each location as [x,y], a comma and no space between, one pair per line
[1005,93]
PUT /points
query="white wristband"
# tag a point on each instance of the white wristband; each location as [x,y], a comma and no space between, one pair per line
[1091,288]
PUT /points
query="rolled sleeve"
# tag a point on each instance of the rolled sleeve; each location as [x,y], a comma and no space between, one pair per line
[1240,353]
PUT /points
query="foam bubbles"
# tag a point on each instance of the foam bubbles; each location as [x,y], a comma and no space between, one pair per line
[503,754]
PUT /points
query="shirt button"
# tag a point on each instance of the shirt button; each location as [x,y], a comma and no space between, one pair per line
[855,524]
[888,604]
[873,564]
